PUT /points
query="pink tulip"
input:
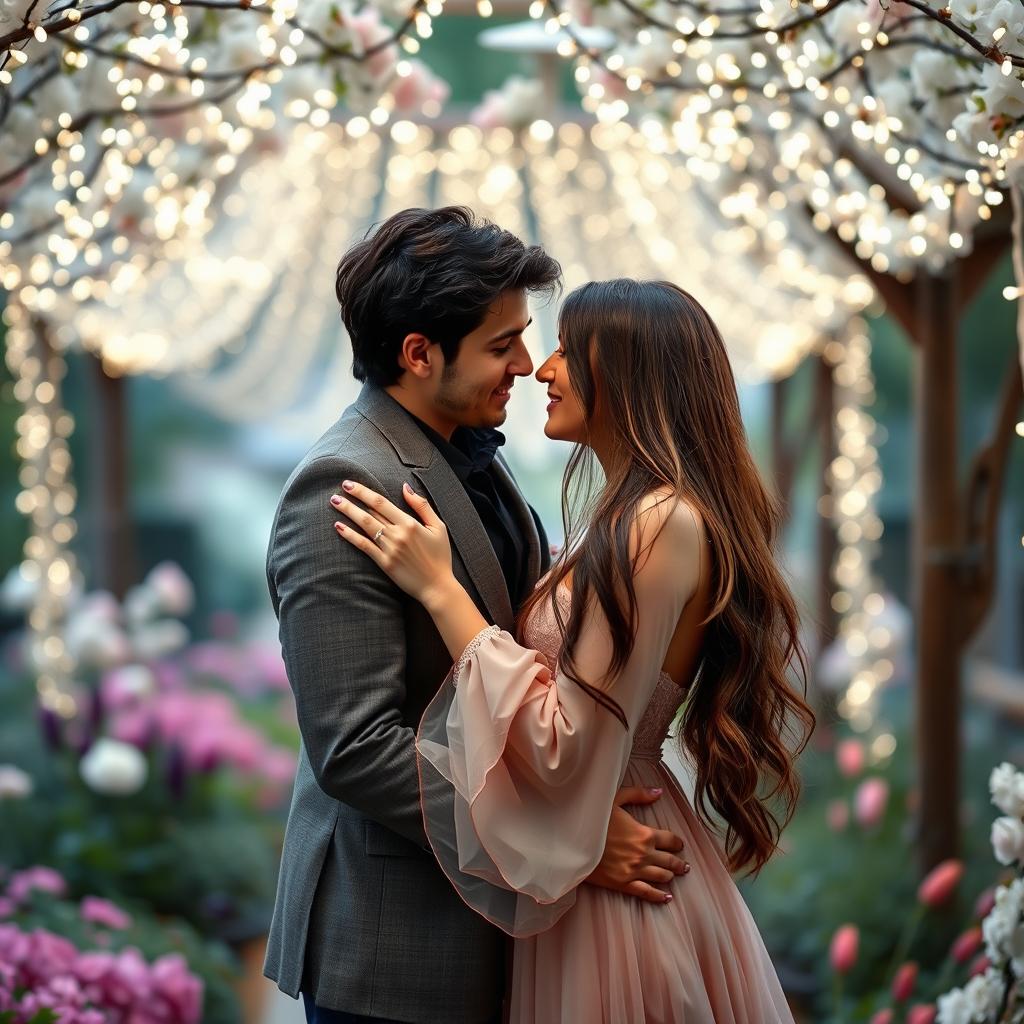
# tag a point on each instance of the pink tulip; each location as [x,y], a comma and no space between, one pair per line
[850,758]
[838,815]
[904,982]
[870,801]
[843,950]
[885,1016]
[940,883]
[922,1013]
[980,966]
[985,902]
[965,947]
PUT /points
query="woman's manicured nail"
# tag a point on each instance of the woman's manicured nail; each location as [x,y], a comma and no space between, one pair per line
[655,792]
[686,869]
[348,485]
[335,499]
[340,527]
[668,897]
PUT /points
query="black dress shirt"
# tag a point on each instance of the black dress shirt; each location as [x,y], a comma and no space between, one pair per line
[470,453]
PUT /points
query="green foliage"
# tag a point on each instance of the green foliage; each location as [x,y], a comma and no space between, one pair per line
[868,877]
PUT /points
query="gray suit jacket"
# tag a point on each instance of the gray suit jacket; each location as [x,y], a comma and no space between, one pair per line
[365,921]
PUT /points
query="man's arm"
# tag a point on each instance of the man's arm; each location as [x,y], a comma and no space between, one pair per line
[343,637]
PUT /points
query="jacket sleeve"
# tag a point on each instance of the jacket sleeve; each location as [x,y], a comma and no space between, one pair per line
[342,629]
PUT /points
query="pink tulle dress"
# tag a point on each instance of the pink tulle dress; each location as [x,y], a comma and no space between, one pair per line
[519,769]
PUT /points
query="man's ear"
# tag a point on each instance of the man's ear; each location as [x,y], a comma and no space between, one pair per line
[418,355]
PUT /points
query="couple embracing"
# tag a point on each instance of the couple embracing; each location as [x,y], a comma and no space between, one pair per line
[482,728]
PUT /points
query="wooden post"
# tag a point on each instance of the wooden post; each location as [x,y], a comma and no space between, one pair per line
[113,546]
[937,563]
[824,406]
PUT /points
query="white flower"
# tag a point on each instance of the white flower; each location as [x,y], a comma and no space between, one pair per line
[172,588]
[845,25]
[931,71]
[158,639]
[14,783]
[114,768]
[1004,14]
[1003,920]
[1008,840]
[1006,785]
[965,11]
[975,1003]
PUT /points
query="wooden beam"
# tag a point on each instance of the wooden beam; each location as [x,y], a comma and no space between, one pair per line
[981,504]
[113,548]
[937,554]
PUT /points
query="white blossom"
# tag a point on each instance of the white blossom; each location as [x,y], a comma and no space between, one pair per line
[114,768]
[15,783]
[1003,920]
[1008,840]
[1006,785]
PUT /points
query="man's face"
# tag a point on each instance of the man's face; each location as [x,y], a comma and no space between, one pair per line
[473,389]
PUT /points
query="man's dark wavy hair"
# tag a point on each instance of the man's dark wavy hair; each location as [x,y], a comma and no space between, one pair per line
[430,272]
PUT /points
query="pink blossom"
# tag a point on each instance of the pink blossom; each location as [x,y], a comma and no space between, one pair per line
[940,883]
[837,815]
[843,949]
[885,1016]
[870,801]
[103,912]
[420,90]
[850,758]
[904,982]
[136,726]
[7,907]
[922,1013]
[42,878]
[371,31]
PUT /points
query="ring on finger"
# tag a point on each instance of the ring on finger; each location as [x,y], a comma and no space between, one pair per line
[377,536]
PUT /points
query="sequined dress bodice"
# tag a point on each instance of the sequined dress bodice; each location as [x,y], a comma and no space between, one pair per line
[541,633]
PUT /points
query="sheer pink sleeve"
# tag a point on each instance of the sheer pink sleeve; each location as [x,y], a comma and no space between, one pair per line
[519,767]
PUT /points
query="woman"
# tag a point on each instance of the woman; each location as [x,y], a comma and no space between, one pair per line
[666,594]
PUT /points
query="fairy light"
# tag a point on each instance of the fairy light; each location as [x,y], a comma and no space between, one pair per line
[47,499]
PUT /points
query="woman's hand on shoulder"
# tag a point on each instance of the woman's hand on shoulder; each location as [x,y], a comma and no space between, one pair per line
[414,552]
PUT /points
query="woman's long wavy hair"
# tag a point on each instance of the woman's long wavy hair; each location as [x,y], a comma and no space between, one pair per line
[648,356]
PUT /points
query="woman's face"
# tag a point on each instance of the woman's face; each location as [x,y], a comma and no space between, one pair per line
[566,417]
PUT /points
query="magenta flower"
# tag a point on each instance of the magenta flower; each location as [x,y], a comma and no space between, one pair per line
[42,878]
[870,801]
[850,758]
[103,912]
[844,948]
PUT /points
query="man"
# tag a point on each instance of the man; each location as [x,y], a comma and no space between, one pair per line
[366,926]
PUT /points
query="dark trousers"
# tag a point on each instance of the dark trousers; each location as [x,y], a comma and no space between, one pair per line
[319,1015]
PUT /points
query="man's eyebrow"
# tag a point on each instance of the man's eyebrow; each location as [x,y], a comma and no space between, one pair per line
[510,334]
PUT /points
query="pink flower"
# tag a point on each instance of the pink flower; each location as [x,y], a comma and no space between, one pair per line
[922,1013]
[41,878]
[870,801]
[105,913]
[7,907]
[838,815]
[371,32]
[174,983]
[967,945]
[940,883]
[850,758]
[844,948]
[985,902]
[885,1016]
[904,982]
[420,90]
[980,966]
[135,726]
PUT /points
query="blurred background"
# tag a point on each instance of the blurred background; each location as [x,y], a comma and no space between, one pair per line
[159,389]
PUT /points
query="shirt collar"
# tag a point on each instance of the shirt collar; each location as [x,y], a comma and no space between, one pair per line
[471,449]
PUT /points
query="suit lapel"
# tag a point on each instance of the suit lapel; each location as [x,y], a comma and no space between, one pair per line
[448,497]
